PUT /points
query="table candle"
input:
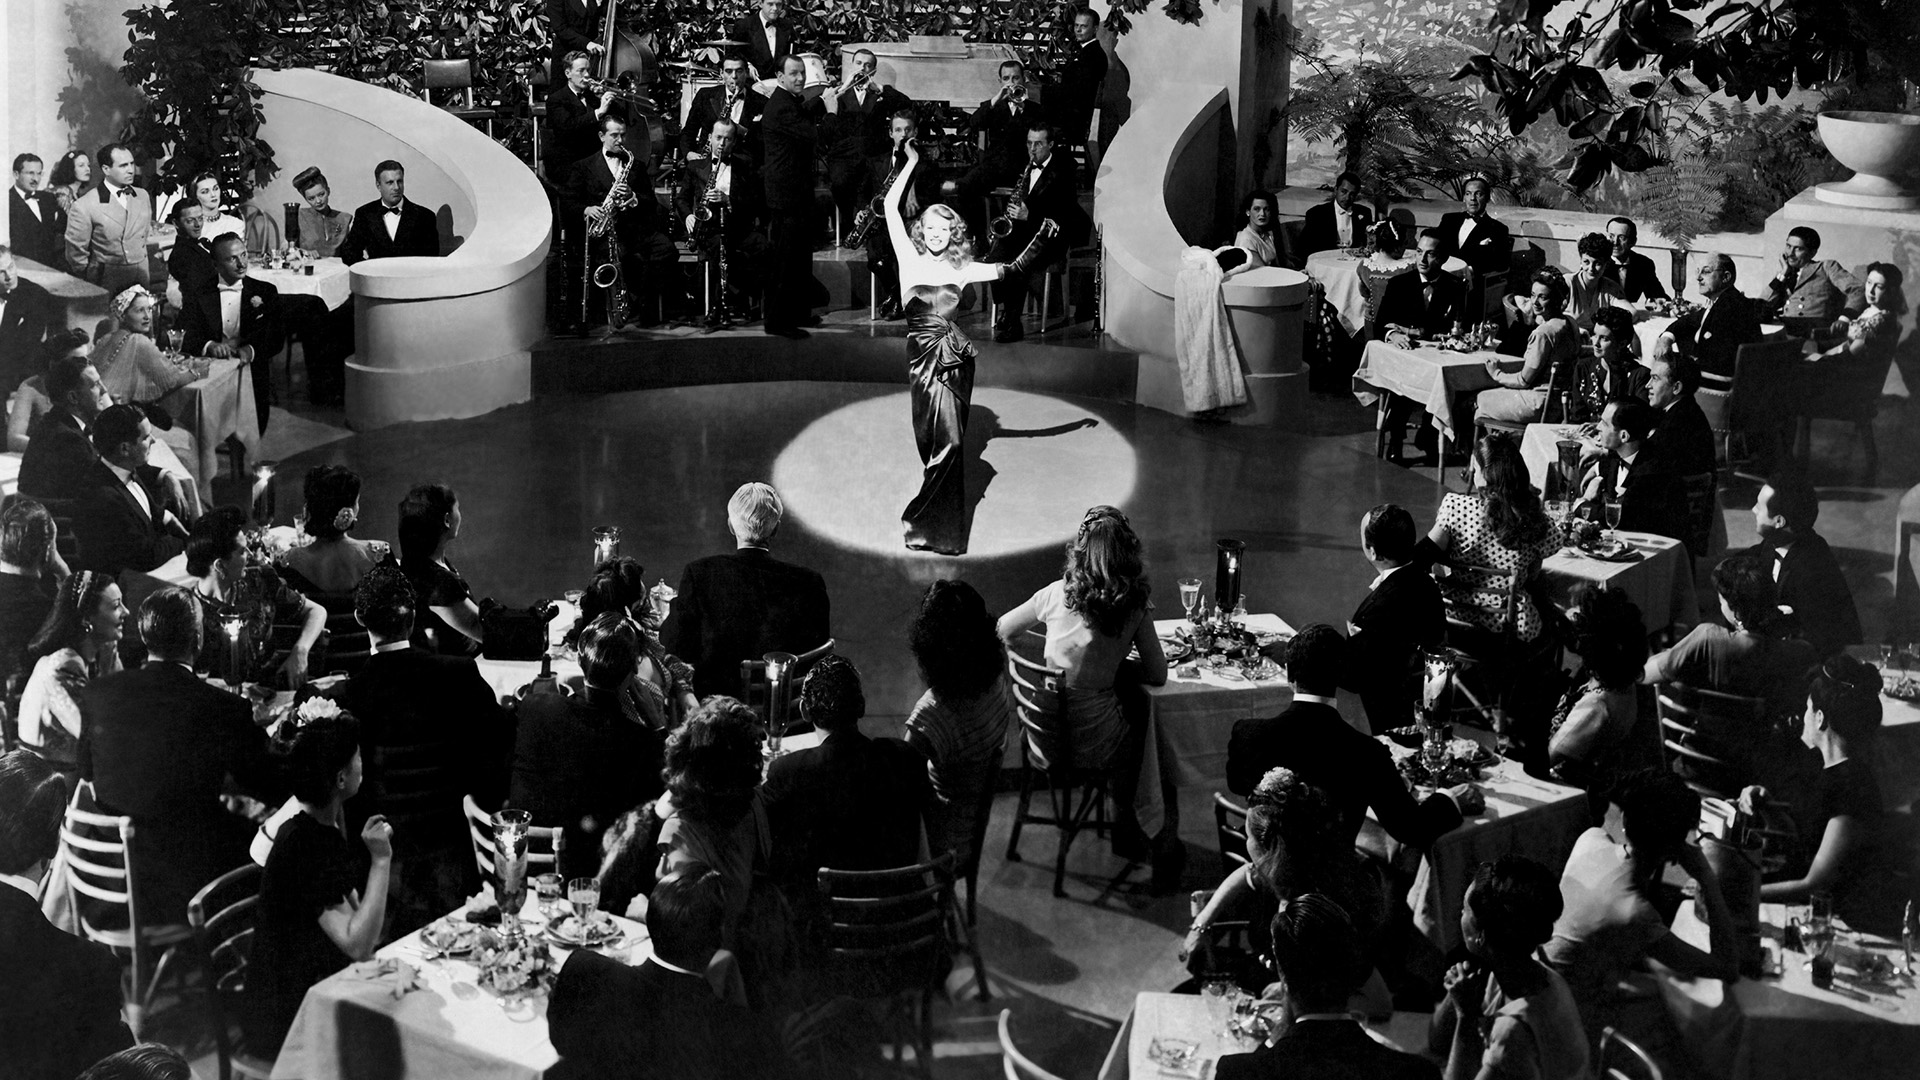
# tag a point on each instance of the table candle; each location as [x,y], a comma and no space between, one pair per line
[606,544]
[232,624]
[260,501]
[779,672]
[1228,559]
[510,858]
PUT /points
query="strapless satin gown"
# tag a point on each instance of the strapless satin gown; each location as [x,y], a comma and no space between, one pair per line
[940,370]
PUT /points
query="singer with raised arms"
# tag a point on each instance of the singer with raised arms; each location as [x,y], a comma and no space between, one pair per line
[936,263]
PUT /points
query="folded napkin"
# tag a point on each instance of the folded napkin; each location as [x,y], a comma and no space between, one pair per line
[398,976]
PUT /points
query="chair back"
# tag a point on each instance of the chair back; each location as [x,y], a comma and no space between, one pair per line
[348,646]
[1039,701]
[1692,725]
[1016,1065]
[451,75]
[757,690]
[1293,236]
[223,914]
[1701,509]
[544,844]
[895,926]
[1230,826]
[1507,584]
[417,787]
[99,851]
[1622,1059]
[1764,380]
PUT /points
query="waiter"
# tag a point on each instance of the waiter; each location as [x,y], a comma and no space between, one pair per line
[790,127]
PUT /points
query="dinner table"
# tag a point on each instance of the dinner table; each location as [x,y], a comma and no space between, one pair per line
[506,677]
[1658,578]
[353,1025]
[1179,1021]
[213,408]
[330,281]
[1427,375]
[1338,272]
[1896,751]
[1865,1026]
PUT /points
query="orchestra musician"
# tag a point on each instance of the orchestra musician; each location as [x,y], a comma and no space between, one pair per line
[768,36]
[791,130]
[575,27]
[1077,92]
[922,191]
[573,115]
[648,260]
[858,131]
[1046,205]
[999,125]
[733,99]
[724,178]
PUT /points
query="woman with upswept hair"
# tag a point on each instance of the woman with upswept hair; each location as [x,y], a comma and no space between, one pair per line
[1498,526]
[936,265]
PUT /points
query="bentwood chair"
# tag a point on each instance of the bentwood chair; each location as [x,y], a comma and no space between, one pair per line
[1040,703]
[1622,1059]
[1701,735]
[1018,1066]
[757,690]
[456,77]
[544,844]
[101,857]
[1230,828]
[222,915]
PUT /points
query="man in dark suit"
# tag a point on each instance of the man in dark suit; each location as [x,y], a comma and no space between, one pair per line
[1047,219]
[1652,498]
[726,182]
[59,458]
[1683,443]
[1425,303]
[574,26]
[26,315]
[768,37]
[790,127]
[1711,336]
[1322,963]
[923,190]
[614,1022]
[860,113]
[741,606]
[1341,222]
[421,714]
[60,1010]
[1634,272]
[1475,236]
[648,260]
[127,514]
[36,225]
[850,803]
[1811,584]
[238,317]
[1402,614]
[1076,93]
[1355,770]
[1000,126]
[733,99]
[190,263]
[159,746]
[390,226]
[573,117]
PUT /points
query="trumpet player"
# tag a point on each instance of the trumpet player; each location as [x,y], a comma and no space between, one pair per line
[574,113]
[857,131]
[723,182]
[731,99]
[922,190]
[647,258]
[1044,204]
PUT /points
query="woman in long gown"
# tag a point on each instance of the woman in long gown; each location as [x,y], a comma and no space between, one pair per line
[936,263]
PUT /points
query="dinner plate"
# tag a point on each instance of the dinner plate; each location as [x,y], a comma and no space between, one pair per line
[450,938]
[599,930]
[1605,549]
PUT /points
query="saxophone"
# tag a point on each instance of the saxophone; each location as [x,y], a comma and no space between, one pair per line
[705,216]
[876,207]
[608,275]
[1001,227]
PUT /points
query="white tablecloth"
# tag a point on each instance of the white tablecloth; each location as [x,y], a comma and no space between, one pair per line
[1162,1015]
[1430,378]
[1539,448]
[9,474]
[349,1028]
[1339,274]
[1785,1028]
[1661,583]
[213,408]
[331,281]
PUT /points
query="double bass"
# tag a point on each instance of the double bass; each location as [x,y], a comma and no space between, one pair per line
[629,62]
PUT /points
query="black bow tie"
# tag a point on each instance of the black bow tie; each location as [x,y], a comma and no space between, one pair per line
[394,211]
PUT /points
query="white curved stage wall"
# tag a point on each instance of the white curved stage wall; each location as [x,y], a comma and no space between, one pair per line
[434,338]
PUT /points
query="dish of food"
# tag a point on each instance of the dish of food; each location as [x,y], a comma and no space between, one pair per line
[571,930]
[1602,548]
[1265,638]
[450,938]
[1901,687]
[1176,648]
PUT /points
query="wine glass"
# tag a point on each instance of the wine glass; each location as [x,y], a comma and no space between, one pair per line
[584,894]
[175,339]
[1217,992]
[1886,656]
[1613,519]
[547,887]
[1190,598]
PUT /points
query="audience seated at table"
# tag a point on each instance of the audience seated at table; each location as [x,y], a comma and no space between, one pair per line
[1872,334]
[61,1007]
[142,1061]
[1812,586]
[1612,373]
[1478,238]
[78,643]
[332,562]
[1611,920]
[31,573]
[442,713]
[207,191]
[1505,1013]
[190,262]
[390,226]
[322,903]
[27,316]
[225,585]
[1401,615]
[237,316]
[1810,289]
[160,745]
[448,620]
[322,228]
[1683,442]
[1321,958]
[59,460]
[1847,847]
[852,802]
[1423,304]
[1589,289]
[126,513]
[1744,656]
[960,724]
[1711,336]
[30,401]
[1340,222]
[661,1018]
[1652,499]
[1552,349]
[578,761]
[1635,273]
[1595,732]
[660,694]
[1264,244]
[1093,616]
[1499,526]
[1354,769]
[745,604]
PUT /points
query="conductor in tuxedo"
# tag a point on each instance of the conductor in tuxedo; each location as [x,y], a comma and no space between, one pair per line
[1077,92]
[1401,615]
[108,227]
[36,224]
[732,99]
[790,127]
[1474,235]
[742,605]
[1046,215]
[573,116]
[60,1011]
[725,181]
[768,37]
[126,514]
[238,316]
[1711,336]
[1341,222]
[26,315]
[390,226]
[574,26]
[647,258]
[1653,498]
[1425,303]
[860,111]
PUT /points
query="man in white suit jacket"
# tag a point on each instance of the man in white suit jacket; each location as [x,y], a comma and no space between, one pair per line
[108,227]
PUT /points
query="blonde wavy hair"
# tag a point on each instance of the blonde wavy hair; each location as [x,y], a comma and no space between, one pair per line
[959,249]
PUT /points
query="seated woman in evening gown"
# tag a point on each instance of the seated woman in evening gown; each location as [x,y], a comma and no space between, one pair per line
[331,563]
[131,366]
[936,263]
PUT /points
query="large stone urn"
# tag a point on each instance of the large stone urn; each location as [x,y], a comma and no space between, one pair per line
[1883,150]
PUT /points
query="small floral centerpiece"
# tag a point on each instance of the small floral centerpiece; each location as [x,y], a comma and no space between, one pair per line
[512,964]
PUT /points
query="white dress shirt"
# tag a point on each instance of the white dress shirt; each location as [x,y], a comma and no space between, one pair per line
[735,103]
[33,205]
[1343,224]
[391,216]
[139,490]
[24,884]
[230,297]
[723,178]
[1466,230]
[1033,174]
[773,43]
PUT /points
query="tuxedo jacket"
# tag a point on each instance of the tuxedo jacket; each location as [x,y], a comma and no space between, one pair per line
[59,459]
[746,193]
[115,534]
[573,24]
[850,803]
[1489,247]
[1653,499]
[573,130]
[1054,196]
[790,132]
[259,319]
[613,1022]
[859,131]
[59,996]
[1812,585]
[1405,303]
[579,763]
[28,316]
[740,606]
[1077,93]
[710,104]
[1711,337]
[1683,442]
[1399,617]
[588,183]
[1355,770]
[191,264]
[41,236]
[1639,280]
[752,30]
[1326,1050]
[103,231]
[1319,231]
[419,233]
[1005,130]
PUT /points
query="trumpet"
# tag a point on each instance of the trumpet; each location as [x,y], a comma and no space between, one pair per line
[1001,227]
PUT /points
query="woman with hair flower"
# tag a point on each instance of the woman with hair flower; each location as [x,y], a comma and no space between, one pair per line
[75,644]
[333,562]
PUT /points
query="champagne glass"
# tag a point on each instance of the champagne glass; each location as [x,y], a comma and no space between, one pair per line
[584,894]
[175,339]
[1217,992]
[547,887]
[1190,598]
[1613,519]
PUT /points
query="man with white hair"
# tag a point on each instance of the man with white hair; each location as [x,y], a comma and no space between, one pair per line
[740,606]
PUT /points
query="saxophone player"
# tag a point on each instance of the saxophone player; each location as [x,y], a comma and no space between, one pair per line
[725,184]
[856,132]
[647,259]
[922,191]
